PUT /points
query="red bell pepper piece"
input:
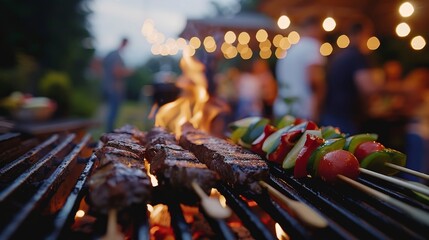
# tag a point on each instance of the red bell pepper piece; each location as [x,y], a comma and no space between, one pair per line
[311,143]
[257,145]
[287,141]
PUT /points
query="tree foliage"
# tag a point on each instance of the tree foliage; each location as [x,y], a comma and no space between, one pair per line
[53,33]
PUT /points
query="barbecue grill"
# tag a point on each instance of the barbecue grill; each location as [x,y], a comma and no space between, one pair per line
[43,186]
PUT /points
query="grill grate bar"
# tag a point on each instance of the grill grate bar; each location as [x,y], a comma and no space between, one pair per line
[180,227]
[249,219]
[359,227]
[25,160]
[405,195]
[67,213]
[219,226]
[290,224]
[8,191]
[48,187]
[407,222]
[141,223]
[332,231]
[362,209]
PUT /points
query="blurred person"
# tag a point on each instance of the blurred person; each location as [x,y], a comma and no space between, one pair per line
[300,75]
[249,92]
[261,70]
[416,86]
[114,73]
[389,100]
[349,81]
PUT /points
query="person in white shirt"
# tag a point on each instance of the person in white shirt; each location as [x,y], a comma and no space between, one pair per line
[300,75]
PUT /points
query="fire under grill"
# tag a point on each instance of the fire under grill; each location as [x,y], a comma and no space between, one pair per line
[44,193]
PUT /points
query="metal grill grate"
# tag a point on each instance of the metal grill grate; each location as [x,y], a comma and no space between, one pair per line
[43,187]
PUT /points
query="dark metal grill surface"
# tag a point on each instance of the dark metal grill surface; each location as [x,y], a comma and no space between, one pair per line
[42,184]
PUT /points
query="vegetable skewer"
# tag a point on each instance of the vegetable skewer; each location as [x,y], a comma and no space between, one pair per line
[413,212]
[396,181]
[407,170]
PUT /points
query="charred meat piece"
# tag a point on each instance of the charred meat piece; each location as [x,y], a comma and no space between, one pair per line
[133,131]
[137,149]
[235,165]
[122,137]
[158,135]
[179,167]
[108,154]
[116,186]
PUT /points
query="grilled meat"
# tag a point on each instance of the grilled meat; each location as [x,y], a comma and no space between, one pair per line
[137,149]
[176,166]
[114,185]
[158,135]
[235,165]
[133,131]
[111,154]
[122,137]
[179,167]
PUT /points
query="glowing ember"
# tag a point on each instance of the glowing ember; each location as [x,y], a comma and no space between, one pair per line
[280,234]
[153,179]
[79,214]
[193,105]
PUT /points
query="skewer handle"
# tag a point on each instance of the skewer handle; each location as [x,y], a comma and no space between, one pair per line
[112,232]
[303,212]
[398,182]
[407,170]
[415,213]
[198,190]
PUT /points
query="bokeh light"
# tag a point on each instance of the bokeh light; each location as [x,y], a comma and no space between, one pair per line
[243,38]
[326,49]
[283,22]
[293,37]
[329,24]
[373,43]
[418,43]
[261,35]
[230,37]
[343,41]
[403,29]
[406,9]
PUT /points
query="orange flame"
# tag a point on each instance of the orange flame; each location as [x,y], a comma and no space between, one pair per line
[193,105]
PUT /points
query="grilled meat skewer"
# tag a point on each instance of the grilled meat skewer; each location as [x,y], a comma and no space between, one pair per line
[235,165]
[176,166]
[116,186]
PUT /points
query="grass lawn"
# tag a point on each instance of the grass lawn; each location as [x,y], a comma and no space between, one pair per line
[132,112]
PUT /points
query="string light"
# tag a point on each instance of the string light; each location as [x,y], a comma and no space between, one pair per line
[230,37]
[373,43]
[283,22]
[343,41]
[406,9]
[329,24]
[293,37]
[403,29]
[326,49]
[418,43]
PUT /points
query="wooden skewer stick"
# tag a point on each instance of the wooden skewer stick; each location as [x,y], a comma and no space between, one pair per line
[112,232]
[401,183]
[415,213]
[407,170]
[302,211]
[212,206]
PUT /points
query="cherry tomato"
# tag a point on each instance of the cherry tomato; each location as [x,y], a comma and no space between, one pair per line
[366,148]
[338,162]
